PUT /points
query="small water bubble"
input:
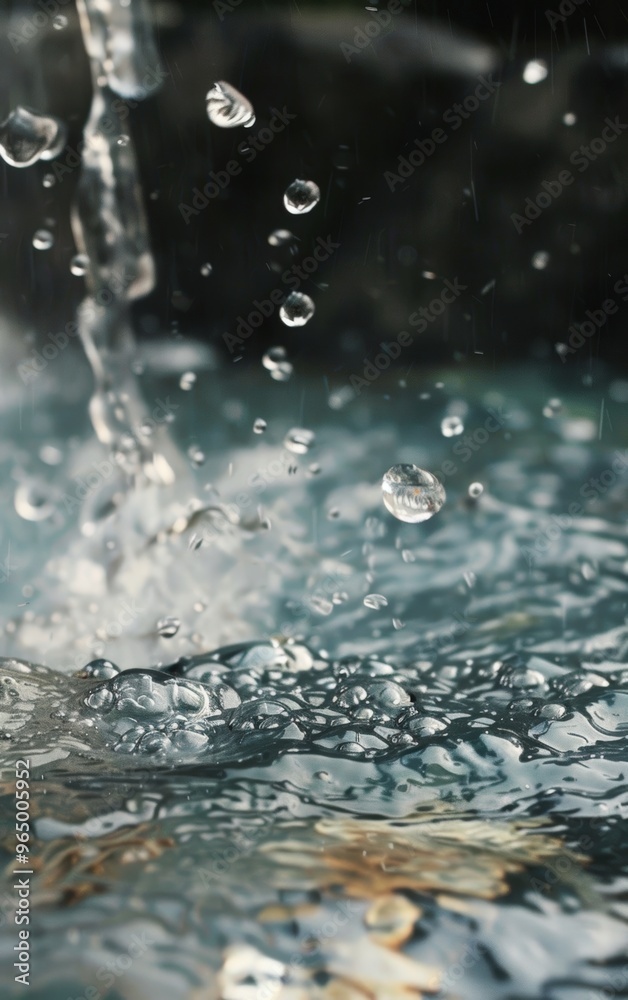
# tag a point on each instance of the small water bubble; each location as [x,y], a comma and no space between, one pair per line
[540,260]
[196,456]
[79,265]
[411,494]
[168,627]
[301,196]
[275,361]
[297,310]
[451,426]
[227,107]
[535,71]
[299,440]
[569,118]
[43,239]
[259,426]
[206,270]
[59,22]
[280,237]
[187,381]
[552,408]
[476,490]
[375,601]
[27,136]
[48,180]
[32,502]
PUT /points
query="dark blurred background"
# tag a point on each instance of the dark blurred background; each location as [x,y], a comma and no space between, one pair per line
[362,93]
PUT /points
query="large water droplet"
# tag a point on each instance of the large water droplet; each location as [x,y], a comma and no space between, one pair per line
[79,264]
[297,310]
[301,196]
[168,627]
[43,239]
[227,107]
[375,601]
[26,136]
[412,494]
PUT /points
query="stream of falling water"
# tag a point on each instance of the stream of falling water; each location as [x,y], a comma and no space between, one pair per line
[303,751]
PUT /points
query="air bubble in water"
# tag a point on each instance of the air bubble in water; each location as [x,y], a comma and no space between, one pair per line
[79,264]
[280,237]
[301,196]
[412,494]
[206,270]
[26,136]
[168,627]
[297,310]
[375,601]
[259,426]
[187,381]
[299,440]
[227,107]
[476,490]
[43,239]
[451,427]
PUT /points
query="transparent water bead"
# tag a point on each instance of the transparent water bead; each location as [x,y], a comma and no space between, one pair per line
[476,490]
[451,427]
[412,494]
[299,440]
[26,137]
[297,310]
[280,237]
[43,239]
[375,601]
[168,627]
[259,426]
[301,196]
[227,107]
[187,381]
[79,265]
[276,362]
[59,22]
[206,270]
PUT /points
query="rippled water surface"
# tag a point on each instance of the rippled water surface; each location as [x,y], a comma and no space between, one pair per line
[285,746]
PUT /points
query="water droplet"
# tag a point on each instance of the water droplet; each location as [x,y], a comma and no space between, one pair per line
[27,136]
[451,427]
[535,71]
[59,22]
[48,180]
[299,440]
[540,260]
[280,237]
[196,455]
[79,264]
[259,426]
[476,490]
[206,270]
[187,381]
[43,239]
[168,627]
[123,140]
[375,601]
[398,624]
[412,494]
[227,107]
[297,310]
[275,361]
[32,503]
[301,196]
[552,408]
[569,118]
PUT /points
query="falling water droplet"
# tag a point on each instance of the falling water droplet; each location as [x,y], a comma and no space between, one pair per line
[275,361]
[79,264]
[43,239]
[187,381]
[535,71]
[569,118]
[375,601]
[27,136]
[196,456]
[48,180]
[451,427]
[259,426]
[297,310]
[299,440]
[168,627]
[206,270]
[301,196]
[540,260]
[552,408]
[32,503]
[280,237]
[227,107]
[476,490]
[59,22]
[412,494]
